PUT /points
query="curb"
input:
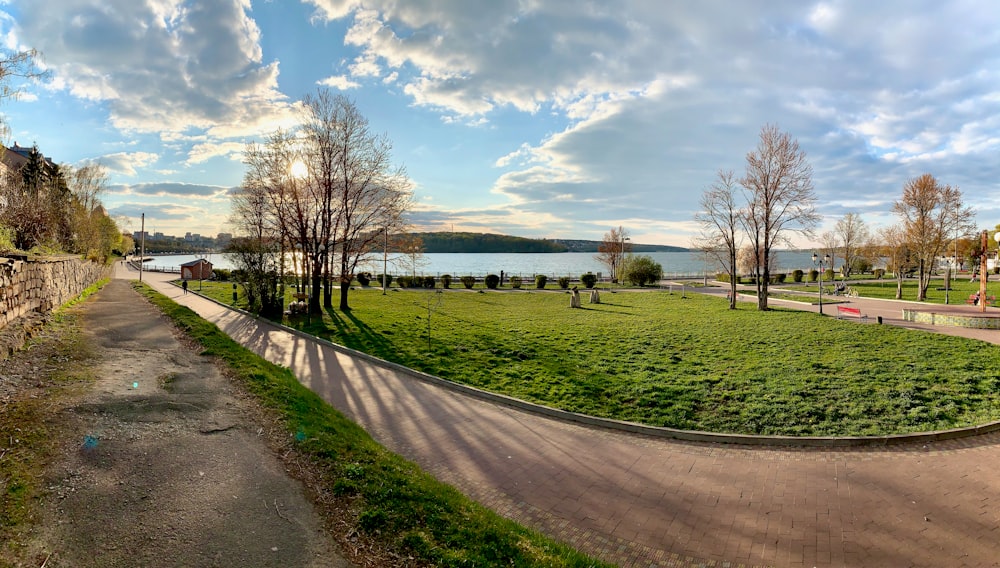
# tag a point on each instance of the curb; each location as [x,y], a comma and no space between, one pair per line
[643,429]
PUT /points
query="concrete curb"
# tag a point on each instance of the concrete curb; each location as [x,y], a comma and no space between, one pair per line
[634,427]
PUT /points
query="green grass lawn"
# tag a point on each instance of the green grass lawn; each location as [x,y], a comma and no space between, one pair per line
[690,363]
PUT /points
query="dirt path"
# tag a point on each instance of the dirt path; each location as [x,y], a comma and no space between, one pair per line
[166,467]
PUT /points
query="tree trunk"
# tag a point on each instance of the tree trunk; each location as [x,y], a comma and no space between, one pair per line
[344,288]
[317,284]
[762,282]
[921,285]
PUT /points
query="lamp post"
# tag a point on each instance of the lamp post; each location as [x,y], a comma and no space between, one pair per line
[385,258]
[817,261]
[621,262]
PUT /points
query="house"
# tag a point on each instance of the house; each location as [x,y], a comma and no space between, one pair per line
[200,269]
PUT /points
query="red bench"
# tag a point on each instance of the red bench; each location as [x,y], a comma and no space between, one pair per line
[990,300]
[851,312]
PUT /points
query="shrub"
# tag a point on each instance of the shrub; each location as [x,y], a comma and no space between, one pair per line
[411,281]
[778,278]
[446,281]
[388,279]
[427,282]
[589,279]
[515,282]
[642,270]
[540,280]
[797,275]
[468,281]
[364,278]
[879,273]
[563,282]
[813,275]
[722,277]
[860,265]
[221,274]
[492,281]
[828,275]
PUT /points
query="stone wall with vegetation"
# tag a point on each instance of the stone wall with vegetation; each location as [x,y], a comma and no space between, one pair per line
[31,289]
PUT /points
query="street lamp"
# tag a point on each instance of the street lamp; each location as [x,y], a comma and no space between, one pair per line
[817,261]
[621,263]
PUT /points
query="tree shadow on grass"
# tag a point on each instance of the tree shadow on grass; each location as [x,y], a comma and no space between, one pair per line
[349,331]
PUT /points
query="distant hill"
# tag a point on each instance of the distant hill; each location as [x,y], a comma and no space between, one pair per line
[591,246]
[489,242]
[485,242]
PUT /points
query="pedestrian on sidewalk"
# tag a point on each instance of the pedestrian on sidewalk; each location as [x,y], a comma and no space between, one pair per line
[184,285]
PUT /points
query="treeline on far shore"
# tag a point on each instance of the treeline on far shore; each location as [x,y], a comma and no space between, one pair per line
[492,243]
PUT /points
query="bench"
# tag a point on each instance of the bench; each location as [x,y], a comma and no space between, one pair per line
[850,312]
[990,300]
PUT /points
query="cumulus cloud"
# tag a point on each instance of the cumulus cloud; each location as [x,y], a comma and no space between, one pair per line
[166,66]
[339,82]
[127,163]
[654,101]
[182,190]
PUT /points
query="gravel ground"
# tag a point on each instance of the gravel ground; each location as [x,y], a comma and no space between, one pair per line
[163,462]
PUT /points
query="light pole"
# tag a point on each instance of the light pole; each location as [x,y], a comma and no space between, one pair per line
[621,262]
[821,262]
[385,258]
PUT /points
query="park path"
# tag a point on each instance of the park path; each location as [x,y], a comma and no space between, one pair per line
[640,501]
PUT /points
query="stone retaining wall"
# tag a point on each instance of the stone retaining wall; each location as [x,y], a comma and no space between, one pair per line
[38,287]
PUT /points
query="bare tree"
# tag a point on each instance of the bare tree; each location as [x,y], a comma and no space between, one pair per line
[829,245]
[720,224]
[612,250]
[853,234]
[931,214]
[896,251]
[365,190]
[780,198]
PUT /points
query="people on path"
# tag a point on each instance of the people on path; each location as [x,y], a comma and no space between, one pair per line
[184,285]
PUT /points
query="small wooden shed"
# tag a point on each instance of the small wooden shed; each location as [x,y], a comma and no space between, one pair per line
[200,269]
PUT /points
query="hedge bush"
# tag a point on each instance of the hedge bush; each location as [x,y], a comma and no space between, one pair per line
[364,278]
[540,280]
[563,282]
[446,281]
[468,281]
[388,279]
[492,281]
[797,275]
[813,275]
[589,279]
[427,282]
[515,282]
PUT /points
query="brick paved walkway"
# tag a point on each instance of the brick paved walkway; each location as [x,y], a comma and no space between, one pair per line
[642,502]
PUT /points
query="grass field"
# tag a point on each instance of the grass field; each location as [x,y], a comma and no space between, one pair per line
[683,362]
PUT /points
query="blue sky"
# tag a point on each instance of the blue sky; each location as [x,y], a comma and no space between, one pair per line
[538,118]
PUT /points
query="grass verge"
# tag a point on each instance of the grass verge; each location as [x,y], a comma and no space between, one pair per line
[39,379]
[684,362]
[406,509]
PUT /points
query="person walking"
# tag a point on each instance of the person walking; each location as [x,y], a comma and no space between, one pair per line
[184,284]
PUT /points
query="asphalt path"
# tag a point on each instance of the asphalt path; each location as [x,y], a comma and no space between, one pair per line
[639,501]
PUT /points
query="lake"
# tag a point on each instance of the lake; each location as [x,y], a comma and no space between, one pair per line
[675,264]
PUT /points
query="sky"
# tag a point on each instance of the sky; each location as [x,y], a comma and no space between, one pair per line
[535,118]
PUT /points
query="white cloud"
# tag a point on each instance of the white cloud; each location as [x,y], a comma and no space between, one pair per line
[339,82]
[163,66]
[203,152]
[127,163]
